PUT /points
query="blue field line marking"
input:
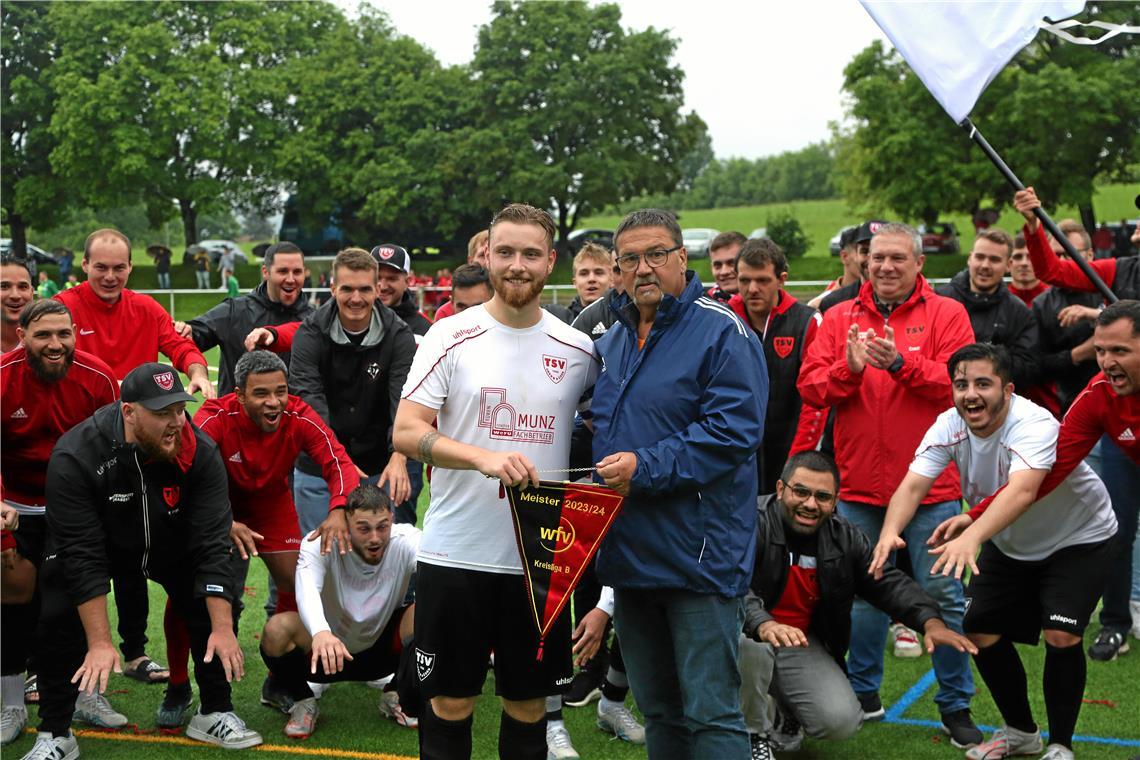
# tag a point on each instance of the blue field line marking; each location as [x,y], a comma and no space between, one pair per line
[914,693]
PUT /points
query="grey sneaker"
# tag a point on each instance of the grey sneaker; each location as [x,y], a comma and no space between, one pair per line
[620,722]
[13,721]
[390,709]
[1007,742]
[1057,752]
[224,729]
[97,711]
[558,746]
[302,719]
[50,748]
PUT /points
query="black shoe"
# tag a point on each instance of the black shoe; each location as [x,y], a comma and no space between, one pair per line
[872,708]
[960,726]
[272,696]
[761,750]
[787,735]
[175,706]
[584,689]
[1108,645]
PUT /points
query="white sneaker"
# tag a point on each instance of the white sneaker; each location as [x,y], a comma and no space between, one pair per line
[302,719]
[558,746]
[620,722]
[1057,752]
[49,748]
[97,711]
[1007,742]
[13,721]
[225,729]
[1134,608]
[390,709]
[906,641]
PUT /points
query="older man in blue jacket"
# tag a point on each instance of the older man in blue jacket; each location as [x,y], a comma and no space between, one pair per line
[678,416]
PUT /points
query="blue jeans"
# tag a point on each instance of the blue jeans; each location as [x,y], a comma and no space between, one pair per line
[1121,477]
[680,651]
[869,625]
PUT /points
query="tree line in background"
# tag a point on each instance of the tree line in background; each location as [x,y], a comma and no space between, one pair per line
[171,118]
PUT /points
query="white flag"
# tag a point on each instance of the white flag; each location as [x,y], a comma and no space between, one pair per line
[957,48]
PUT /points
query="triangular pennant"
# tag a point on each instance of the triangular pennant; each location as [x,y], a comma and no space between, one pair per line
[558,527]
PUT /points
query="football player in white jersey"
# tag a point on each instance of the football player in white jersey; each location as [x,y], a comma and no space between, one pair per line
[501,382]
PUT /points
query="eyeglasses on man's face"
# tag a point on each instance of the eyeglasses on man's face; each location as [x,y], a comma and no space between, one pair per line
[629,262]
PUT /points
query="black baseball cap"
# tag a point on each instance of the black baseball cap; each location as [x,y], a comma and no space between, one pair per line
[867,230]
[392,255]
[154,385]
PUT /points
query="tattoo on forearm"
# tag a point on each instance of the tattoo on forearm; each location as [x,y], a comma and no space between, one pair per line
[427,443]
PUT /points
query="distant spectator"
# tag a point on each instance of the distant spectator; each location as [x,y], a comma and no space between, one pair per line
[47,287]
[227,260]
[722,260]
[66,259]
[233,290]
[201,259]
[1103,242]
[72,281]
[161,255]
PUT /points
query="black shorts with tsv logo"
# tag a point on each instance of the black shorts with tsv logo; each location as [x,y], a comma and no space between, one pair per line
[1018,599]
[462,616]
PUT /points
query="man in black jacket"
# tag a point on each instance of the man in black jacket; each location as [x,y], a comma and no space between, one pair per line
[395,264]
[797,622]
[996,315]
[136,487]
[350,359]
[277,300]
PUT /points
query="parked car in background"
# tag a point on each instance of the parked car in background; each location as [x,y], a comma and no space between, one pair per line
[833,244]
[759,232]
[35,253]
[940,237]
[578,238]
[697,241]
[217,247]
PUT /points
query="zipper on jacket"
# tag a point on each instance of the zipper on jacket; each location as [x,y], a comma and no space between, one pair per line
[146,517]
[704,543]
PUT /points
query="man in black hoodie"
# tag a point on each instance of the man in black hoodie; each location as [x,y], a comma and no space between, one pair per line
[350,359]
[137,488]
[997,316]
[277,300]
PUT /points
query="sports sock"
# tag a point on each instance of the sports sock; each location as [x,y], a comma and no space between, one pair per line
[1001,669]
[616,685]
[605,703]
[177,646]
[554,709]
[286,602]
[1064,684]
[12,690]
[447,739]
[521,741]
[288,672]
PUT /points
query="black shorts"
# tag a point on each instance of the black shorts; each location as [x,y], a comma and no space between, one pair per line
[462,616]
[1018,599]
[30,538]
[379,660]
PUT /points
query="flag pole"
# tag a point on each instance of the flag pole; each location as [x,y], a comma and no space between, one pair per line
[1050,225]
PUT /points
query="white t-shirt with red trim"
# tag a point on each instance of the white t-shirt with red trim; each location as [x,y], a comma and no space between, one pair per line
[502,389]
[1077,512]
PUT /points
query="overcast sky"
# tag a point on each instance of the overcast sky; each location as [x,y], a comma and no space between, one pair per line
[764,77]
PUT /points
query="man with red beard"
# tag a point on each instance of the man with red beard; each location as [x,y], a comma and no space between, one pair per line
[502,381]
[785,328]
[16,292]
[46,388]
[136,487]
[260,429]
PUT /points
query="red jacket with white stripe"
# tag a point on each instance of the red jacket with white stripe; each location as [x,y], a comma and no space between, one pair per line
[127,333]
[258,463]
[881,416]
[34,414]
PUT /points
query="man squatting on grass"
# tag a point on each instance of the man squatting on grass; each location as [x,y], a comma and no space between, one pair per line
[1044,560]
[797,626]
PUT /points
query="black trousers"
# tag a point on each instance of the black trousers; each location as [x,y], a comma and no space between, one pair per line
[133,605]
[64,645]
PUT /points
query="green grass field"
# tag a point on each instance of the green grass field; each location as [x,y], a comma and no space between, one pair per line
[350,725]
